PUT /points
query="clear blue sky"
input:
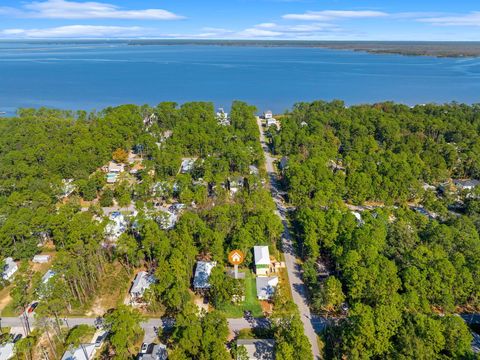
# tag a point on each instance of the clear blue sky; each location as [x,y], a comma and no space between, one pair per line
[242,19]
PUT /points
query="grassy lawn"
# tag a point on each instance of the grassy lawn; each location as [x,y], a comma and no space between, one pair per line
[251,302]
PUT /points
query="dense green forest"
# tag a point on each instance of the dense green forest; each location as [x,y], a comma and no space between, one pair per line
[393,277]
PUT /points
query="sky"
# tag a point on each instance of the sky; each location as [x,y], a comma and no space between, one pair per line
[435,20]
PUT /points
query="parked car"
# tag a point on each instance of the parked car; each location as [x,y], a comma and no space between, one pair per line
[144,348]
[32,307]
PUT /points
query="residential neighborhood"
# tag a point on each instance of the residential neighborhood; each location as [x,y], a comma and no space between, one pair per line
[130,259]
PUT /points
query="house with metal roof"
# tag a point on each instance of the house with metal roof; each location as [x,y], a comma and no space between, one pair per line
[116,226]
[41,259]
[7,350]
[262,260]
[9,269]
[141,283]
[203,271]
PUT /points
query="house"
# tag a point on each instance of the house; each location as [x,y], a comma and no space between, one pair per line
[428,187]
[82,352]
[358,217]
[41,259]
[468,184]
[116,226]
[272,122]
[7,350]
[262,260]
[283,163]
[253,170]
[187,165]
[266,286]
[47,276]
[258,349]
[202,275]
[166,218]
[222,117]
[235,184]
[9,268]
[159,352]
[142,282]
[67,187]
[303,124]
[116,168]
[149,120]
[268,115]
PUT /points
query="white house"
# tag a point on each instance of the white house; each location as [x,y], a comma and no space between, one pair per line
[272,122]
[202,275]
[222,117]
[9,269]
[116,226]
[7,351]
[253,170]
[258,349]
[142,282]
[67,187]
[262,260]
[268,114]
[187,165]
[114,167]
[266,287]
[41,259]
[83,352]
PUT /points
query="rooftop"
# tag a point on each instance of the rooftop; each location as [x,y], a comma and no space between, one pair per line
[258,349]
[159,352]
[202,274]
[142,281]
[79,352]
[262,255]
[266,286]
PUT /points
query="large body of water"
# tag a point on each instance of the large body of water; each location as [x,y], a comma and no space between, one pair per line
[96,75]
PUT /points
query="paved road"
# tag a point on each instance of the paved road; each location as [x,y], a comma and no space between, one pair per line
[235,325]
[297,286]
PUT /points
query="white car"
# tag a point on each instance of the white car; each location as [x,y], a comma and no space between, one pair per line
[144,348]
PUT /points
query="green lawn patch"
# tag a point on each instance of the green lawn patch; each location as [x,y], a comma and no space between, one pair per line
[251,302]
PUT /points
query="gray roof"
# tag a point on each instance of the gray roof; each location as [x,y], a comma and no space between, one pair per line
[262,255]
[470,183]
[79,352]
[259,349]
[142,281]
[266,286]
[202,274]
[283,162]
[159,352]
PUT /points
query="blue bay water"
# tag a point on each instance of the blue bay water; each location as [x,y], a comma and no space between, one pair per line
[93,76]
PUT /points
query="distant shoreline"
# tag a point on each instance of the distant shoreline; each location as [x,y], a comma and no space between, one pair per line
[408,48]
[438,49]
